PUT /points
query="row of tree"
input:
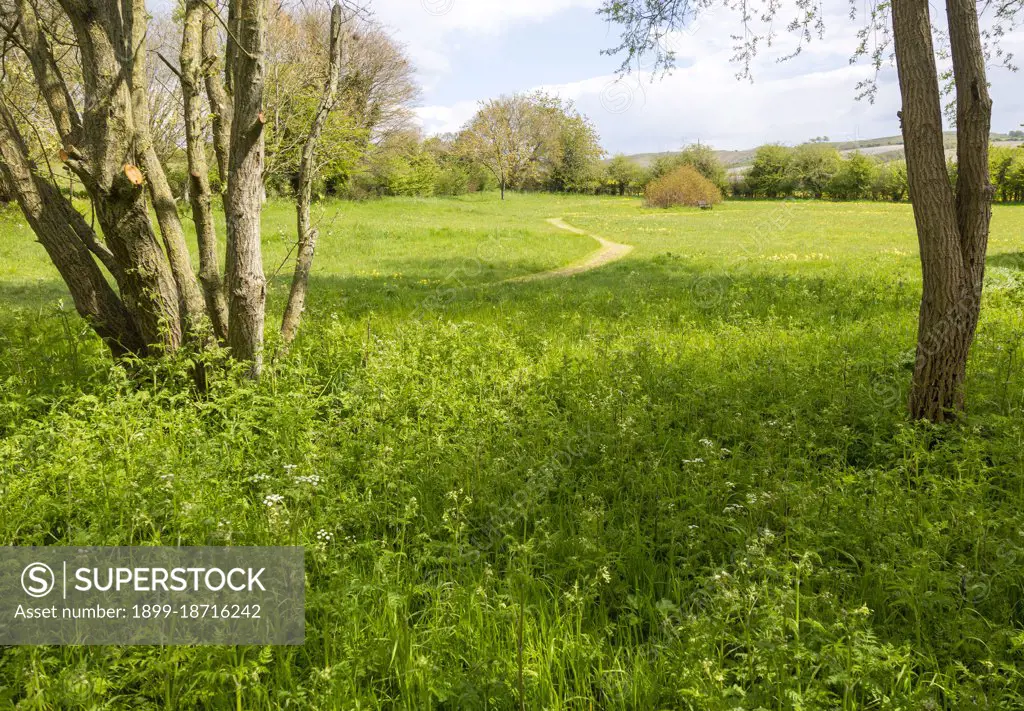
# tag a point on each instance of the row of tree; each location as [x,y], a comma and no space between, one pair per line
[812,170]
[529,141]
[817,171]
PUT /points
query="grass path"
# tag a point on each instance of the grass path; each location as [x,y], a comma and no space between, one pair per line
[609,252]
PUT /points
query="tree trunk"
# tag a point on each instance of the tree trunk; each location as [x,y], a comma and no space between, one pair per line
[246,282]
[307,233]
[106,160]
[952,257]
[974,124]
[200,195]
[49,78]
[192,306]
[217,95]
[47,213]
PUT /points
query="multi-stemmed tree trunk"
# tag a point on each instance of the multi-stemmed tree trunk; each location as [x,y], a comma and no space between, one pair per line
[952,223]
[105,155]
[952,226]
[103,124]
[48,215]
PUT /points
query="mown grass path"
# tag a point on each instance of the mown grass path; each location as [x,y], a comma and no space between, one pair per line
[609,252]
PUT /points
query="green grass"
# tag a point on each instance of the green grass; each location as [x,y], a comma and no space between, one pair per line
[687,476]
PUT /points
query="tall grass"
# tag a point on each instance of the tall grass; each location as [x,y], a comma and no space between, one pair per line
[682,481]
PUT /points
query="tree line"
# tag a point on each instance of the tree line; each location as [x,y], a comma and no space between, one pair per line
[811,170]
[529,141]
[567,157]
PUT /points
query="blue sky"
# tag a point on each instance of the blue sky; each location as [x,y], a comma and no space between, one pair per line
[564,49]
[466,51]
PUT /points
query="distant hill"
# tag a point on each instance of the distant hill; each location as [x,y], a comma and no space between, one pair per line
[885,149]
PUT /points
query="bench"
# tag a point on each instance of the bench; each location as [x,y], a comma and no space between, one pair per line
[704,205]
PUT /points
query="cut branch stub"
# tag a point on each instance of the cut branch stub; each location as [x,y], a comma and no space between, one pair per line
[134,175]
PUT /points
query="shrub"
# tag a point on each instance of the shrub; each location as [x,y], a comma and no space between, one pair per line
[854,179]
[771,174]
[623,176]
[701,157]
[813,167]
[683,186]
[452,180]
[891,181]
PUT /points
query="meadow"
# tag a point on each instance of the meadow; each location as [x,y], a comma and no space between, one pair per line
[684,480]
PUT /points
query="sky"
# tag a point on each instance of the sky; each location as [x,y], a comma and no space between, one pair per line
[466,51]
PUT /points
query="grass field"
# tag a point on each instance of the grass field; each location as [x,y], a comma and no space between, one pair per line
[682,481]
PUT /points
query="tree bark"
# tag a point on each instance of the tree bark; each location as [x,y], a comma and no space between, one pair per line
[47,73]
[192,306]
[952,257]
[200,195]
[47,212]
[105,162]
[307,233]
[217,95]
[245,279]
[974,123]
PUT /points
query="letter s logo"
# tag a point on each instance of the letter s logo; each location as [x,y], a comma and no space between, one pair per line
[37,579]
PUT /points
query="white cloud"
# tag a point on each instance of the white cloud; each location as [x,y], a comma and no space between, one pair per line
[706,103]
[420,17]
[445,119]
[810,95]
[430,29]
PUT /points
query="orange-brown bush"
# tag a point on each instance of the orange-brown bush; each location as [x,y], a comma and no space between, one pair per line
[683,186]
